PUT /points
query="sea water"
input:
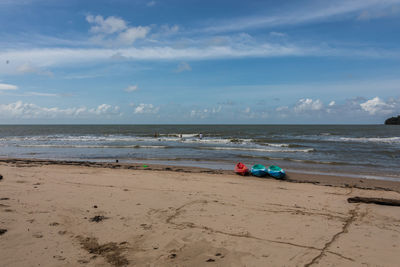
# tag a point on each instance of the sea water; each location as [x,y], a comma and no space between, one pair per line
[361,151]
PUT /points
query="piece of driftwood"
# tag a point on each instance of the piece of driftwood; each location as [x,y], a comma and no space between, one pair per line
[373,200]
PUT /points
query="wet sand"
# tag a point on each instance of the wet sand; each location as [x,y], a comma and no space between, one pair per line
[102,214]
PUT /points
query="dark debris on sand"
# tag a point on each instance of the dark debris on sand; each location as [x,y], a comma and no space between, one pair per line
[98,218]
[3,231]
[111,251]
[374,200]
[1,177]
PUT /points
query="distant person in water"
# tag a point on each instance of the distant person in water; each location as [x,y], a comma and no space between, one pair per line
[155,135]
[201,136]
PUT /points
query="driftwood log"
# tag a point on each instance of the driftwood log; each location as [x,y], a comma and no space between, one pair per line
[373,200]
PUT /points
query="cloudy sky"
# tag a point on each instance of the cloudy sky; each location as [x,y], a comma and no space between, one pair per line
[193,61]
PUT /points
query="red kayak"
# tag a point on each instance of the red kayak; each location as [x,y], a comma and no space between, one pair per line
[241,169]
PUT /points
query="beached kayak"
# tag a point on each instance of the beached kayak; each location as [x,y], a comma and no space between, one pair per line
[241,169]
[276,172]
[259,170]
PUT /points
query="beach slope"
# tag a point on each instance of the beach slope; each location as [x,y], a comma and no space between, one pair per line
[58,215]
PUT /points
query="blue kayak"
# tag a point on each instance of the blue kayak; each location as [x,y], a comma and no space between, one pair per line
[259,170]
[276,172]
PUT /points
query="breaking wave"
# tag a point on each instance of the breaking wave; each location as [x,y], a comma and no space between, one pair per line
[92,146]
[306,150]
[371,139]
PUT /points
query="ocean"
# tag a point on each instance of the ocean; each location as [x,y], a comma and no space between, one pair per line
[359,151]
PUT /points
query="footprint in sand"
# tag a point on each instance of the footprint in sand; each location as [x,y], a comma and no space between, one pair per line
[37,235]
[146,226]
[58,257]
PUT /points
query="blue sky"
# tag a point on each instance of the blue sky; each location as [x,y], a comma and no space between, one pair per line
[199,61]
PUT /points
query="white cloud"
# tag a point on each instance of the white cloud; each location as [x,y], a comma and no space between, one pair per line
[131,88]
[205,112]
[308,104]
[199,114]
[115,31]
[304,14]
[22,110]
[28,94]
[351,109]
[106,26]
[162,34]
[151,3]
[47,57]
[129,36]
[5,86]
[43,58]
[282,109]
[27,68]
[379,13]
[217,109]
[41,94]
[183,66]
[145,109]
[278,34]
[378,106]
[104,109]
[166,29]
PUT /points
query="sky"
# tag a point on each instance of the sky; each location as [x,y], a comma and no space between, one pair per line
[199,61]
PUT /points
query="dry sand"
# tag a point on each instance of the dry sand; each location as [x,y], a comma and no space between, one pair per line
[67,215]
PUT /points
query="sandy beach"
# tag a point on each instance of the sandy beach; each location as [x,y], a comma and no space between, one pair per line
[92,214]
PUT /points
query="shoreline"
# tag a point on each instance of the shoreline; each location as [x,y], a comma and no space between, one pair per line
[339,180]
